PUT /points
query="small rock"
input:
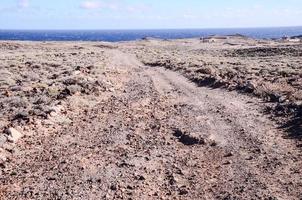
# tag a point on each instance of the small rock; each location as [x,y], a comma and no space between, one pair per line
[73,89]
[7,93]
[183,191]
[298,103]
[282,99]
[230,154]
[60,119]
[13,135]
[129,187]
[227,162]
[251,86]
[22,116]
[141,178]
[249,158]
[2,165]
[111,90]
[77,72]
[3,157]
[113,187]
[9,147]
[3,139]
[257,151]
[213,143]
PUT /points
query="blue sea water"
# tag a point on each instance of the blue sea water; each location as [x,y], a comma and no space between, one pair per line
[126,35]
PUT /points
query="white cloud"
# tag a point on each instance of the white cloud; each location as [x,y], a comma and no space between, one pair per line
[18,5]
[140,8]
[114,5]
[23,3]
[91,5]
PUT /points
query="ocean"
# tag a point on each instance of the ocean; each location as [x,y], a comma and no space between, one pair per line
[127,35]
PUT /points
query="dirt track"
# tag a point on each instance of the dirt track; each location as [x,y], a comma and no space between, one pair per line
[155,135]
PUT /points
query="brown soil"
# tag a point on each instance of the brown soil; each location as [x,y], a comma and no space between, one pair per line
[100,124]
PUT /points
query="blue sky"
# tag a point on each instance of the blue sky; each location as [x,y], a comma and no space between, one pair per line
[147,14]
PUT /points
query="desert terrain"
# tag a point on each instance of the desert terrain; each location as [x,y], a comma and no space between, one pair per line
[211,118]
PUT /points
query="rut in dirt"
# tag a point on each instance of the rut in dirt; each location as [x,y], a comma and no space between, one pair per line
[158,136]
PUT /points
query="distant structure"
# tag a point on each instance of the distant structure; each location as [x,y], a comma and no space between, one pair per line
[237,35]
[216,38]
[213,38]
[297,38]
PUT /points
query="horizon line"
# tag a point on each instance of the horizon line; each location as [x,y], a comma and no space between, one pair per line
[144,29]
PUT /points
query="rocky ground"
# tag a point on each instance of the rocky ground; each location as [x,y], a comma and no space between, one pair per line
[151,119]
[270,70]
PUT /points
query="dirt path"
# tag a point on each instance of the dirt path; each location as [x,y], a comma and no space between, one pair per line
[156,136]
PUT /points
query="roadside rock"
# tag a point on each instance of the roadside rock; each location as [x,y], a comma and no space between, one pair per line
[3,158]
[3,139]
[13,135]
[73,89]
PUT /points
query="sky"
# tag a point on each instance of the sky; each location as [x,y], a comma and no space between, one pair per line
[148,14]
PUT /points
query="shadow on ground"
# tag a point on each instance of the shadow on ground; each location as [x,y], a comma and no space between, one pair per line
[294,126]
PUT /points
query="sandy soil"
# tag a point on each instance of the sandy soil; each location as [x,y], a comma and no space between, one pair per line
[132,121]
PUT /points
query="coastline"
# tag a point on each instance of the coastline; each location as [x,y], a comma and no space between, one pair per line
[131,35]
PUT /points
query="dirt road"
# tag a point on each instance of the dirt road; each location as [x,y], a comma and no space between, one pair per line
[155,135]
